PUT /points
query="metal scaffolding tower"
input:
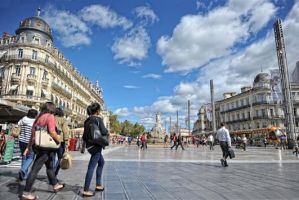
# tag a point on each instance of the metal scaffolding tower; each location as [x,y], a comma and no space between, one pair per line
[189,125]
[213,107]
[286,90]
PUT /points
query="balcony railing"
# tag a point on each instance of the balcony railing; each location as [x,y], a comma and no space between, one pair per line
[45,81]
[61,90]
[31,77]
[26,57]
[16,77]
[19,97]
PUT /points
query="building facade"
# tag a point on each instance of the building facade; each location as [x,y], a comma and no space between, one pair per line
[255,108]
[295,73]
[33,71]
[202,125]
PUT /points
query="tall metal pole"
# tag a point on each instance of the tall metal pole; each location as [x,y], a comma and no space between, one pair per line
[213,107]
[286,90]
[170,125]
[189,126]
[177,121]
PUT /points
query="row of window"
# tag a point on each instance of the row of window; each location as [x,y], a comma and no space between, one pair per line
[32,71]
[244,126]
[61,103]
[64,104]
[247,115]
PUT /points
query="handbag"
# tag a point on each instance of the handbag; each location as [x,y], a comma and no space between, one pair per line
[96,135]
[66,161]
[231,153]
[43,140]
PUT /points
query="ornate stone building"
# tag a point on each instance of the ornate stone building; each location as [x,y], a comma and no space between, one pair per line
[254,108]
[202,125]
[33,71]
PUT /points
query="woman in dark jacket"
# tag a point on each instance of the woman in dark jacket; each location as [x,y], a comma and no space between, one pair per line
[95,150]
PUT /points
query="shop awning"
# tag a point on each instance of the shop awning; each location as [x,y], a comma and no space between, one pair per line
[14,87]
[30,87]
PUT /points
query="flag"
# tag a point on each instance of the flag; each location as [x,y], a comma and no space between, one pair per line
[208,109]
[275,85]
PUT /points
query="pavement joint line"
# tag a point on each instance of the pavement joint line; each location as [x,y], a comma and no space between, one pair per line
[122,184]
[146,188]
[204,161]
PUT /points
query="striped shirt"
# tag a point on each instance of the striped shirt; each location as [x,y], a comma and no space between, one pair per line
[26,126]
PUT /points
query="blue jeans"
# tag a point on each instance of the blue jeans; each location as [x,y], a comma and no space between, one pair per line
[95,159]
[26,160]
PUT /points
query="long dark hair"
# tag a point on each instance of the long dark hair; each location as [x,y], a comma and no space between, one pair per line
[48,107]
[93,108]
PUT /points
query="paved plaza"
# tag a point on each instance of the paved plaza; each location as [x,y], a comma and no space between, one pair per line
[161,173]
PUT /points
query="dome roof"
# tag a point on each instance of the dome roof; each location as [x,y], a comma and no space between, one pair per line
[262,78]
[36,24]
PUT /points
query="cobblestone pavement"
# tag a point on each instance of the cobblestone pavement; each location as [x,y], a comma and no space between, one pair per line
[158,173]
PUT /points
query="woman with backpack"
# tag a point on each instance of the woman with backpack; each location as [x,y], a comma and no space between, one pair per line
[95,150]
[43,156]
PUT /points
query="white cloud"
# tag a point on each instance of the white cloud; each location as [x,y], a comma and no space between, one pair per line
[122,112]
[104,17]
[231,72]
[132,47]
[72,31]
[147,14]
[200,5]
[153,76]
[131,87]
[200,39]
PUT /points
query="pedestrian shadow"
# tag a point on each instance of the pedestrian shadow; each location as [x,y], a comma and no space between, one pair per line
[208,165]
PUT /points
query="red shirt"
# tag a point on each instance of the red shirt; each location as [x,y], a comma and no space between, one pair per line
[46,119]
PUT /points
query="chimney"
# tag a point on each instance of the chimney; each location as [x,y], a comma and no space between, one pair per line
[227,95]
[245,88]
[5,35]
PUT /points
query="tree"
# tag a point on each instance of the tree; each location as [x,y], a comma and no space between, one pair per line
[126,127]
[115,126]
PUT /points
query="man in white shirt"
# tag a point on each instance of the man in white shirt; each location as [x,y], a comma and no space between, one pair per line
[225,143]
[211,141]
[244,141]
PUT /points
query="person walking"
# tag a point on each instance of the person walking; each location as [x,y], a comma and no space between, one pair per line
[95,151]
[179,142]
[45,118]
[143,141]
[265,142]
[25,125]
[174,140]
[211,141]
[165,141]
[225,143]
[244,142]
[62,130]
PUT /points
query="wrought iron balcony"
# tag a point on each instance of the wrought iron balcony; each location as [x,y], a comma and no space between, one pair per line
[16,77]
[31,78]
[45,81]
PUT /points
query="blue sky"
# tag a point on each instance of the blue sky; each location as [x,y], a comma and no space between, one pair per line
[152,56]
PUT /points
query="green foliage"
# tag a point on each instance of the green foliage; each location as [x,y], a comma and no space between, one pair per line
[126,127]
